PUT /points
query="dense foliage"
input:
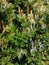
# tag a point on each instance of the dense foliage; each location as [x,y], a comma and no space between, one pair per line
[24,32]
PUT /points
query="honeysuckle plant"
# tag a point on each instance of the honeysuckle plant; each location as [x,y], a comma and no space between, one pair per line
[24,32]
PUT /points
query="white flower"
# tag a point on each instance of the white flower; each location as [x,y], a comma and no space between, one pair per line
[35,5]
[36,16]
[32,50]
[43,26]
[31,19]
[42,9]
[40,45]
[33,47]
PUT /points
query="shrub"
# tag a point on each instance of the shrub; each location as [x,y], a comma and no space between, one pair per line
[24,32]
